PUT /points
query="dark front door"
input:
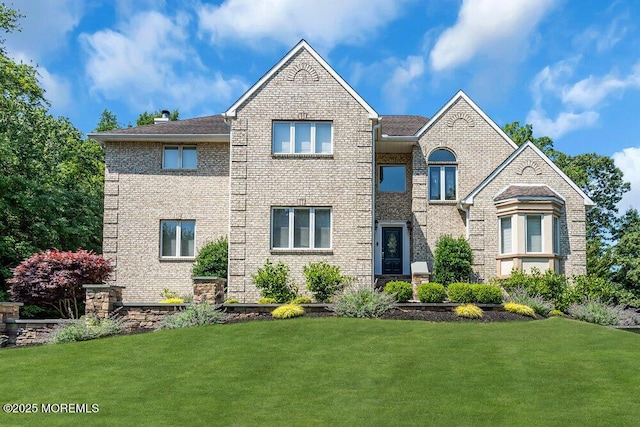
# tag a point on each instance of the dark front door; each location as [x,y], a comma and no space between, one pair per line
[392,250]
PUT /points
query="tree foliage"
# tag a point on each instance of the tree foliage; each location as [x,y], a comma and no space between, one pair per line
[51,179]
[55,278]
[600,179]
[108,121]
[146,118]
[626,254]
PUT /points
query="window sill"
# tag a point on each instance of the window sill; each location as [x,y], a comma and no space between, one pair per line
[301,251]
[301,156]
[530,255]
[443,202]
[177,259]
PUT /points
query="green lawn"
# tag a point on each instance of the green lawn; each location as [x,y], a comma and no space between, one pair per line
[335,371]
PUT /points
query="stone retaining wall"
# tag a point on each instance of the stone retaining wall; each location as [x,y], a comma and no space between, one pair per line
[144,316]
[23,332]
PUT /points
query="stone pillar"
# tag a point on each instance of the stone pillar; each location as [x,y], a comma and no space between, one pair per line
[100,299]
[8,310]
[209,289]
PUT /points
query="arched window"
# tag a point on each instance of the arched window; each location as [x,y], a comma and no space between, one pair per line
[443,175]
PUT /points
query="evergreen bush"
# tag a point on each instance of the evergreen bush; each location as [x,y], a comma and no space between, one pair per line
[212,259]
[486,294]
[403,291]
[460,292]
[431,292]
[287,311]
[522,309]
[324,280]
[274,281]
[469,311]
[453,260]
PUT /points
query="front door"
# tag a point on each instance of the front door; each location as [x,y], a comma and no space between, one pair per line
[392,250]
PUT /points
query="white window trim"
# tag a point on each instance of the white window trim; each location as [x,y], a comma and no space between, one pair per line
[292,138]
[555,234]
[178,239]
[510,217]
[380,174]
[180,164]
[526,234]
[312,228]
[443,196]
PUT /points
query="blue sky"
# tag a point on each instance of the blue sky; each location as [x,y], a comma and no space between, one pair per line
[571,68]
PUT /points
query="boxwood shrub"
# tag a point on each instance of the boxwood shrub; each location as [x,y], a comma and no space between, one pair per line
[431,292]
[486,294]
[403,291]
[460,292]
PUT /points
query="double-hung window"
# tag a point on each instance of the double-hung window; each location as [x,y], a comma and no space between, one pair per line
[177,238]
[506,233]
[179,157]
[533,226]
[443,175]
[300,228]
[302,138]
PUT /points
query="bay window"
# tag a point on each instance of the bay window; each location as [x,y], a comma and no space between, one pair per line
[506,242]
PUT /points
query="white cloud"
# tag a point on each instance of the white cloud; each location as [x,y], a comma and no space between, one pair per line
[143,62]
[323,23]
[398,88]
[565,122]
[45,27]
[577,102]
[628,160]
[488,27]
[589,92]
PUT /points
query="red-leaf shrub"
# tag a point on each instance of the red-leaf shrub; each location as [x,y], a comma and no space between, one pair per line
[55,278]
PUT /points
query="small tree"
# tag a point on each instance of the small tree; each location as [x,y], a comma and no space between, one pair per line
[212,259]
[274,282]
[453,260]
[55,278]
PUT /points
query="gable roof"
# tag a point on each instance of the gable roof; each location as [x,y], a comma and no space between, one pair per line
[208,128]
[302,45]
[456,97]
[401,125]
[469,199]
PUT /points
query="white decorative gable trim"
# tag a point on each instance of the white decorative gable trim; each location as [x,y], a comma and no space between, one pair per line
[231,112]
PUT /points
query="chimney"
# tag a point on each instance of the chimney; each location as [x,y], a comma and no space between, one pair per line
[164,118]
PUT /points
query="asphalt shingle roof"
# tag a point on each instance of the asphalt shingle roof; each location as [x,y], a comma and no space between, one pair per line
[208,125]
[402,125]
[516,191]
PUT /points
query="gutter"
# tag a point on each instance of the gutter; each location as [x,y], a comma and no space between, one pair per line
[465,208]
[123,137]
[373,201]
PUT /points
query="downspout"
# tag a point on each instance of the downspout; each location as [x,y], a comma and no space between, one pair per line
[373,201]
[465,209]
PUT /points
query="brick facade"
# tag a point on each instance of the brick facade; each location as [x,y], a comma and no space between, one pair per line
[239,180]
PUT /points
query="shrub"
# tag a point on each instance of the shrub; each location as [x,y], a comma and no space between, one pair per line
[591,286]
[452,260]
[172,301]
[593,310]
[361,301]
[266,300]
[551,286]
[324,280]
[555,313]
[522,309]
[86,329]
[460,292]
[212,259]
[274,282]
[536,302]
[486,294]
[301,300]
[55,278]
[403,291]
[287,311]
[196,315]
[431,292]
[232,301]
[468,311]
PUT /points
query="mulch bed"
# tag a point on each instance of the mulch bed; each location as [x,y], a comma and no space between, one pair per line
[398,314]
